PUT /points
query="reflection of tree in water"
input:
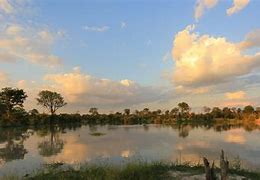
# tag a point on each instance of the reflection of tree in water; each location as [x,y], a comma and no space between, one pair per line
[218,125]
[54,145]
[184,130]
[14,139]
[12,151]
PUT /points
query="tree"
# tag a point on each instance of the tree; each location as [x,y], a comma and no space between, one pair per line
[146,111]
[159,111]
[51,100]
[206,109]
[174,112]
[93,111]
[216,112]
[184,107]
[11,98]
[248,109]
[227,113]
[127,112]
[34,112]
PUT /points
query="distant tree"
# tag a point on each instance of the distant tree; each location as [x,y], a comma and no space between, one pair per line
[227,113]
[159,111]
[234,109]
[146,111]
[248,109]
[127,112]
[34,112]
[174,112]
[217,112]
[51,100]
[257,109]
[167,112]
[11,98]
[206,109]
[93,111]
[136,112]
[184,107]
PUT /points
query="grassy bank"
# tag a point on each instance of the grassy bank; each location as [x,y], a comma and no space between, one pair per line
[134,170]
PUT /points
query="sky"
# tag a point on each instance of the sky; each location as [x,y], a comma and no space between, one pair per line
[114,54]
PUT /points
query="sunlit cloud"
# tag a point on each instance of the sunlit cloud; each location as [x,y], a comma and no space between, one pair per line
[237,103]
[236,95]
[202,60]
[252,40]
[237,6]
[96,28]
[29,44]
[85,89]
[184,90]
[25,40]
[202,5]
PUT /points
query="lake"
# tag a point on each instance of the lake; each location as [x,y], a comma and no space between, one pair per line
[25,150]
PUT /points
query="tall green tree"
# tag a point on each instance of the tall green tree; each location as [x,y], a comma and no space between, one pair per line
[11,98]
[50,100]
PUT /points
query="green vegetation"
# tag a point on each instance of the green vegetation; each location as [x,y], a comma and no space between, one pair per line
[133,170]
[12,113]
[51,100]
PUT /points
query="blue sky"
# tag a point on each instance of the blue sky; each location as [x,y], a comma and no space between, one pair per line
[118,40]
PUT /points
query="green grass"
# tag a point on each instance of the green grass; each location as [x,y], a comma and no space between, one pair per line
[133,170]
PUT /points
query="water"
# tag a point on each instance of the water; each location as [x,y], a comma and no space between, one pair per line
[25,150]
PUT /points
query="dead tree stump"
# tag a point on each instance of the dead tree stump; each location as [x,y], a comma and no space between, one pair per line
[223,166]
[210,171]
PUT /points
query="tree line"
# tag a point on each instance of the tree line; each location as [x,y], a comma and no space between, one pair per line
[12,112]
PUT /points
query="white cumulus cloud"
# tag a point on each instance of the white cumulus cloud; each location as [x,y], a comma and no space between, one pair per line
[202,60]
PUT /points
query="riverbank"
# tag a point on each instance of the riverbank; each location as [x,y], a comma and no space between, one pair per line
[134,170]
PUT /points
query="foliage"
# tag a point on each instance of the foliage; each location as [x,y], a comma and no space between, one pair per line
[138,170]
[11,98]
[93,111]
[248,109]
[51,100]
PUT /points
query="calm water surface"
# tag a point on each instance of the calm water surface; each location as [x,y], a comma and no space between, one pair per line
[23,151]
